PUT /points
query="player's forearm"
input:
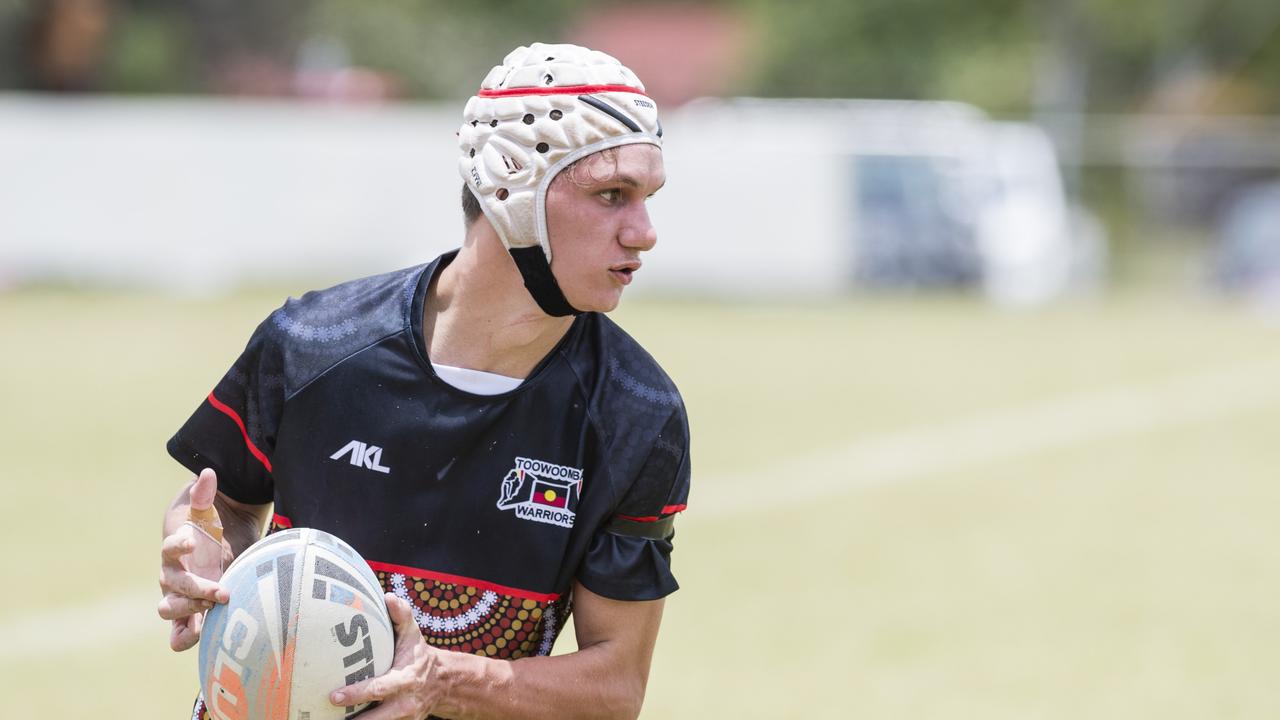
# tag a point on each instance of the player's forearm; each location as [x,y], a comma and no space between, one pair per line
[594,682]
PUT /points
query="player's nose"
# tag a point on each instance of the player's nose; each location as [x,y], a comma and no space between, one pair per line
[639,233]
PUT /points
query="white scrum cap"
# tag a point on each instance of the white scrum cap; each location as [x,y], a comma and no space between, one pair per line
[542,109]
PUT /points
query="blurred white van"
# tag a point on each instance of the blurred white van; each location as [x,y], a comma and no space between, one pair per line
[1035,244]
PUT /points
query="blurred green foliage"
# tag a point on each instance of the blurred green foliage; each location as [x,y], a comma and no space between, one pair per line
[435,48]
[150,54]
[998,54]
[911,49]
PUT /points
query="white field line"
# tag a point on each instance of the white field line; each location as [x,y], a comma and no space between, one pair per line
[952,446]
[88,629]
[981,440]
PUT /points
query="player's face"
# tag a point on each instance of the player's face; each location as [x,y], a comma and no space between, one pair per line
[598,224]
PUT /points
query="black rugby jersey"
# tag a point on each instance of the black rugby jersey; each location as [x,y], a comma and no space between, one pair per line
[479,510]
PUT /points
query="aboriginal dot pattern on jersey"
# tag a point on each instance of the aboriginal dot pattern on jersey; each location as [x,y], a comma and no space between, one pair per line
[331,323]
[465,618]
[641,389]
[314,333]
[474,620]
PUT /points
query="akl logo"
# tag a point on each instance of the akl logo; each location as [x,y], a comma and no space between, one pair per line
[363,455]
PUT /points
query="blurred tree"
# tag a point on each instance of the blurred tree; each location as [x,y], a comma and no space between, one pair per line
[62,44]
[912,49]
[151,51]
[1007,56]
[1016,55]
[435,48]
[12,16]
[1197,55]
[247,48]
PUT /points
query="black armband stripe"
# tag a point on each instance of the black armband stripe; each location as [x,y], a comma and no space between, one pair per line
[659,529]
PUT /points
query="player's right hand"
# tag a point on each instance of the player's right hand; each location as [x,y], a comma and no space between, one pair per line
[186,594]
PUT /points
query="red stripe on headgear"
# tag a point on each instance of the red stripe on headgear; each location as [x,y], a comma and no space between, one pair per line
[566,90]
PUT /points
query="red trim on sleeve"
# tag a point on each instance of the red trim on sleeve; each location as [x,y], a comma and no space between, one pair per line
[253,449]
[281,520]
[565,90]
[460,580]
[666,510]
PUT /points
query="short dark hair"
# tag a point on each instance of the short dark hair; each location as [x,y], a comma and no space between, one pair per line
[470,206]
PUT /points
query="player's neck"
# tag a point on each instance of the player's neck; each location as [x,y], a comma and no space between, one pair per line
[478,314]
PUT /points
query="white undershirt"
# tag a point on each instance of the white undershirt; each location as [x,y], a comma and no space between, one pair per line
[476,382]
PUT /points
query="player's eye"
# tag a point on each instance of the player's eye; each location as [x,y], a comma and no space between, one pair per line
[611,195]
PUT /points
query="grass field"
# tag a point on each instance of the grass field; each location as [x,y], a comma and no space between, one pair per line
[901,509]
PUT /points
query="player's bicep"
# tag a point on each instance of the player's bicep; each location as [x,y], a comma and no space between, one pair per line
[629,628]
[629,558]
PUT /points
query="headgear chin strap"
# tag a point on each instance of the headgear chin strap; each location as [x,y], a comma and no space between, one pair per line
[544,108]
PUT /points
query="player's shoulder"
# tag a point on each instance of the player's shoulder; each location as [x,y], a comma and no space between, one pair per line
[628,389]
[353,309]
[311,333]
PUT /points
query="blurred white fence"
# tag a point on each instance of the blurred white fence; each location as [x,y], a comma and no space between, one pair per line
[198,194]
[764,197]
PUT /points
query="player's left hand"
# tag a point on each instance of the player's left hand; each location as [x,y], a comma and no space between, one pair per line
[407,690]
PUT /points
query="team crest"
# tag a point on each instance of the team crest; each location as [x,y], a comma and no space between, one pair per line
[541,491]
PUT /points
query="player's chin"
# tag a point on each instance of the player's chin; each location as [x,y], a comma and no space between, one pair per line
[602,300]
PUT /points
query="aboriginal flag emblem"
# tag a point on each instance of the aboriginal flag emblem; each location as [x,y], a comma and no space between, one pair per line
[540,491]
[545,493]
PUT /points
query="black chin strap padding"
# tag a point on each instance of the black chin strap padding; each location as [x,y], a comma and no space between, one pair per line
[541,283]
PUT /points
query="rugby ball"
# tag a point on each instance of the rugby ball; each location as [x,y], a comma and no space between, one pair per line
[306,616]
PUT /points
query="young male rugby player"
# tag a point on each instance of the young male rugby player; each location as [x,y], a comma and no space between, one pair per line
[499,451]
